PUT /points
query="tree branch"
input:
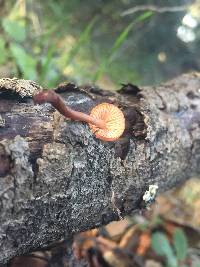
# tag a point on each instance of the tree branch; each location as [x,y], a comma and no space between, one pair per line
[154,8]
[57,179]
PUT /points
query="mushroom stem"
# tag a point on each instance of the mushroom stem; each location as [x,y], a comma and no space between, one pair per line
[56,101]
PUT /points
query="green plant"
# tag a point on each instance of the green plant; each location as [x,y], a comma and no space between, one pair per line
[117,44]
[83,38]
[15,30]
[162,247]
[32,58]
[3,52]
[26,62]
[180,244]
[64,44]
[175,253]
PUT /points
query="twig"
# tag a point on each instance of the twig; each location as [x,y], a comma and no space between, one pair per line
[154,9]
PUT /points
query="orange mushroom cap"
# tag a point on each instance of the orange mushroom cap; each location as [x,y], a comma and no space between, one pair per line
[114,122]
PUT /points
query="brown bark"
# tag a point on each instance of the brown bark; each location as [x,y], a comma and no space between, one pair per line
[57,179]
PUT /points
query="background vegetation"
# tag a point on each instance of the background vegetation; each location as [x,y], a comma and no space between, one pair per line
[98,41]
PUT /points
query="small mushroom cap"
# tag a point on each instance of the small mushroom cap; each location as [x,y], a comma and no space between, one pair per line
[114,121]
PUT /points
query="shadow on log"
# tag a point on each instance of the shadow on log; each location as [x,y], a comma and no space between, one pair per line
[57,179]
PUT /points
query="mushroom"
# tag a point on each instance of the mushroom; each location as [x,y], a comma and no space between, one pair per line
[106,121]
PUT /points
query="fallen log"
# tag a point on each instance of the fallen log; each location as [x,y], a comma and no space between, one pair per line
[57,179]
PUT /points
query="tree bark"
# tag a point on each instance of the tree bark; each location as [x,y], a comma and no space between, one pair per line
[57,179]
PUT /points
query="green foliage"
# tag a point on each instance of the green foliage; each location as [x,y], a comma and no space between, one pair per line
[180,244]
[124,34]
[175,253]
[117,44]
[25,62]
[46,64]
[16,33]
[83,39]
[162,247]
[14,29]
[38,66]
[86,41]
[3,52]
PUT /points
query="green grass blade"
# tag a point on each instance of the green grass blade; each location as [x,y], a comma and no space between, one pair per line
[180,244]
[121,38]
[47,61]
[84,38]
[118,43]
[124,34]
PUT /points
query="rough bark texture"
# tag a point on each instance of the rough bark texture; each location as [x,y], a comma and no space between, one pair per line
[57,179]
